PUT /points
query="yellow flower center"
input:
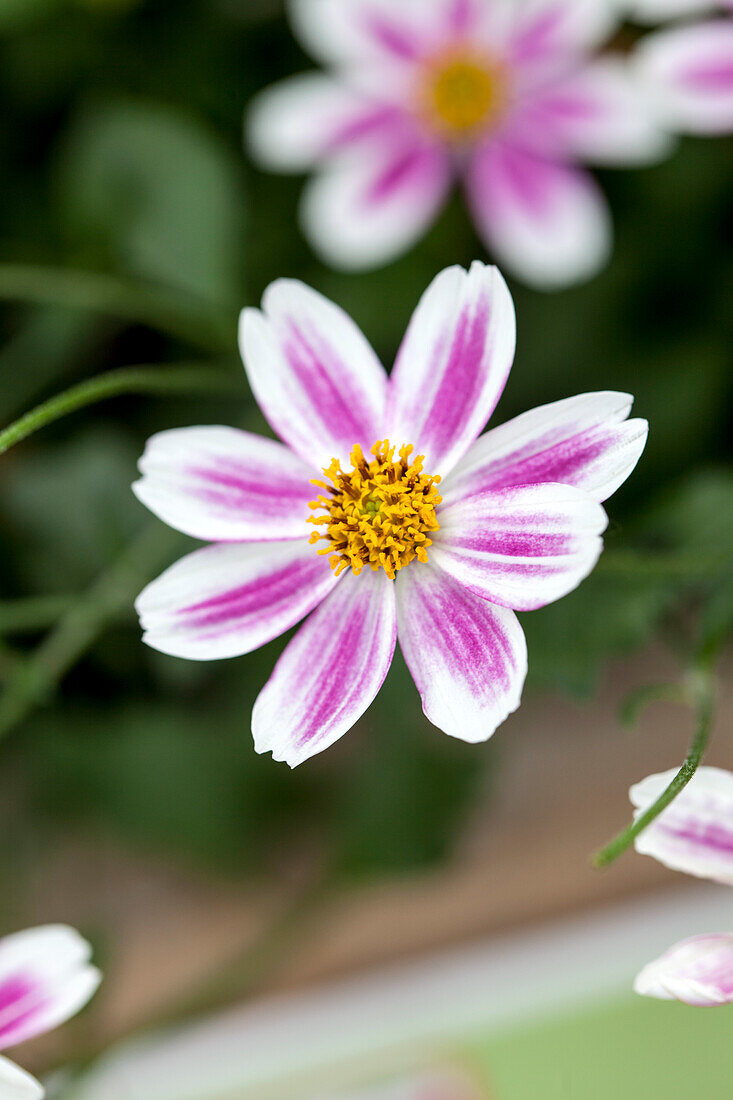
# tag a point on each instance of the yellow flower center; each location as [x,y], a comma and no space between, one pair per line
[378,514]
[464,93]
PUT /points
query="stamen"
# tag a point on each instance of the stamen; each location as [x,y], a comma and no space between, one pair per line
[464,92]
[379,514]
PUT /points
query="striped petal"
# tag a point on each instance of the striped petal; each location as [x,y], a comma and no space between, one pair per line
[224,485]
[45,978]
[314,374]
[688,74]
[551,30]
[694,833]
[330,672]
[16,1084]
[452,365]
[467,657]
[226,600]
[546,222]
[584,441]
[522,547]
[698,972]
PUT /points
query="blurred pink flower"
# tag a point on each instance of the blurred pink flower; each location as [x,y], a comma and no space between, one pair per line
[507,97]
[517,522]
[694,834]
[45,977]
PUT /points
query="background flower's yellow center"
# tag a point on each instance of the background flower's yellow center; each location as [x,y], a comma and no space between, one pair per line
[378,514]
[464,94]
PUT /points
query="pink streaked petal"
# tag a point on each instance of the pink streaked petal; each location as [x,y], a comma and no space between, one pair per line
[688,74]
[553,30]
[296,123]
[584,441]
[694,833]
[314,374]
[16,1084]
[330,672]
[345,32]
[224,485]
[547,222]
[230,599]
[598,114]
[453,364]
[697,971]
[45,978]
[522,547]
[370,205]
[467,657]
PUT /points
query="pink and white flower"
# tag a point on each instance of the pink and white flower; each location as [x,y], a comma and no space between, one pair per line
[517,522]
[693,834]
[508,97]
[686,71]
[45,977]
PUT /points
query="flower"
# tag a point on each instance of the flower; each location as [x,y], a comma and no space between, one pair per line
[419,528]
[686,71]
[693,834]
[508,98]
[45,977]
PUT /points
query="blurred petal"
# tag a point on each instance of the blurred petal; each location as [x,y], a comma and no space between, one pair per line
[330,672]
[688,75]
[585,441]
[548,222]
[695,832]
[467,657]
[230,599]
[522,547]
[546,30]
[453,364]
[599,114]
[297,122]
[16,1084]
[698,971]
[315,376]
[225,485]
[45,978]
[370,205]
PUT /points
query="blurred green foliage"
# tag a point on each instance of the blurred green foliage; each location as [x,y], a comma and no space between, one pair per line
[122,155]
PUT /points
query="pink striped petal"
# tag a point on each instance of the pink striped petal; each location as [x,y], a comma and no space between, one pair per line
[452,365]
[597,114]
[522,547]
[547,222]
[45,978]
[467,657]
[315,376]
[330,672]
[551,30]
[585,441]
[224,485]
[694,833]
[698,972]
[688,74]
[370,205]
[299,121]
[230,599]
[16,1084]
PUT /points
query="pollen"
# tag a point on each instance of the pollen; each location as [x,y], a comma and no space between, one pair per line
[464,94]
[378,514]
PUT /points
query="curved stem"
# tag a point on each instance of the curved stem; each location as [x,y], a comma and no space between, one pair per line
[175,379]
[174,313]
[30,613]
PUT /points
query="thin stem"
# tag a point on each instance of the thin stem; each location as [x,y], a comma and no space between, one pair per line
[701,690]
[175,313]
[26,615]
[112,592]
[183,378]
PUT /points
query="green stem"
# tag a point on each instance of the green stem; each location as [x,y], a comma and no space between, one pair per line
[702,696]
[26,615]
[112,593]
[183,378]
[175,313]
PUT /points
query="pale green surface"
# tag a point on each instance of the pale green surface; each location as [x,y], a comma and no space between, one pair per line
[635,1049]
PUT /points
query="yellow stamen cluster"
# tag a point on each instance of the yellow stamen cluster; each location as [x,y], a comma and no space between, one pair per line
[464,93]
[378,514]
